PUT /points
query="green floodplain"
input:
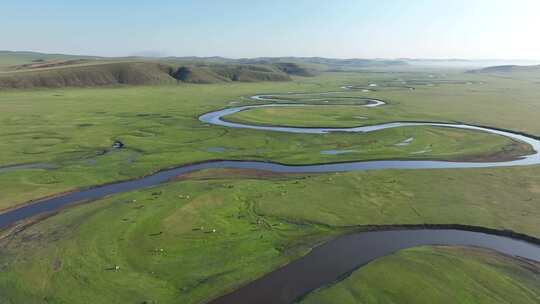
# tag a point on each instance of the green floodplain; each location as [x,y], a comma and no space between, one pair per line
[207,233]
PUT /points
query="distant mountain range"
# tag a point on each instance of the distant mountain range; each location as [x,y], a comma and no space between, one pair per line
[10,60]
[33,69]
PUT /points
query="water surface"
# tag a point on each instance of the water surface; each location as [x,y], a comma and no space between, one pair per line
[331,261]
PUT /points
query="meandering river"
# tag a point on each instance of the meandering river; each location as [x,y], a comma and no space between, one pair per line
[337,257]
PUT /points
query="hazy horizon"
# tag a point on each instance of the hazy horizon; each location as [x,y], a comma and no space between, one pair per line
[151,54]
[481,30]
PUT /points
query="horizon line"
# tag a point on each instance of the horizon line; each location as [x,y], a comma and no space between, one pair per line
[287,56]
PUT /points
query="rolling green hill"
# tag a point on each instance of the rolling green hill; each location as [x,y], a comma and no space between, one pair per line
[84,73]
[522,72]
[12,60]
[227,73]
[134,73]
[9,59]
[251,73]
[508,69]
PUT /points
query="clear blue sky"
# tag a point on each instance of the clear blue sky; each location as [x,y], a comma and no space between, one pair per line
[506,29]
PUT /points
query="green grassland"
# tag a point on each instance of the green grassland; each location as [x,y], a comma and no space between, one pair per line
[331,115]
[163,241]
[437,275]
[70,128]
[262,220]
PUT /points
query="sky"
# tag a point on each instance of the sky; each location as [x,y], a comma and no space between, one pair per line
[468,29]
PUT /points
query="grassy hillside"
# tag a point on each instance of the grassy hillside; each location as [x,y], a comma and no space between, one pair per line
[509,69]
[10,60]
[226,73]
[43,64]
[437,275]
[296,69]
[14,58]
[524,72]
[87,73]
[134,73]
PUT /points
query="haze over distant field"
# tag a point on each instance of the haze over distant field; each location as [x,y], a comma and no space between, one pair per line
[245,28]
